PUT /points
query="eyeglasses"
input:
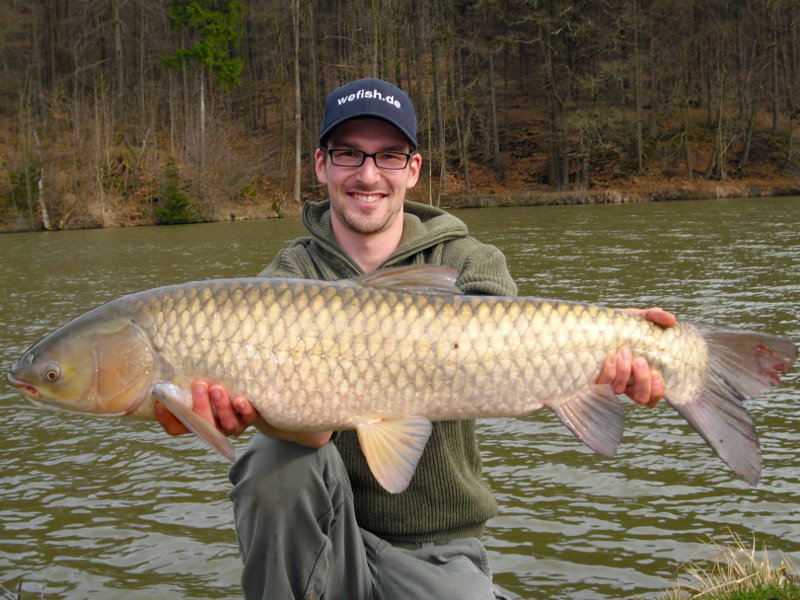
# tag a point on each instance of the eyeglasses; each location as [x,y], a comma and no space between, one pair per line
[355,158]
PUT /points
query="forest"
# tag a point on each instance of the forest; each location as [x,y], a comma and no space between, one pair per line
[134,112]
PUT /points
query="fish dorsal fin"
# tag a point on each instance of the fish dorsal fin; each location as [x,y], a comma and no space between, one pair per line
[393,449]
[179,404]
[420,278]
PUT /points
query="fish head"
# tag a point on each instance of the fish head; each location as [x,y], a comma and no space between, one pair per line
[92,365]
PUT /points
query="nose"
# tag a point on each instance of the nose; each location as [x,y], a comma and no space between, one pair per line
[368,172]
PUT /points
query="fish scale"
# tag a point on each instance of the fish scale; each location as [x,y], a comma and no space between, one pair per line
[388,353]
[457,348]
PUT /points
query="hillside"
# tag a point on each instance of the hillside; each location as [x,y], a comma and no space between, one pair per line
[133,113]
[139,178]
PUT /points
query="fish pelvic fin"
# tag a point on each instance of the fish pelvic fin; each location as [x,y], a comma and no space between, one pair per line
[393,448]
[741,365]
[595,416]
[179,404]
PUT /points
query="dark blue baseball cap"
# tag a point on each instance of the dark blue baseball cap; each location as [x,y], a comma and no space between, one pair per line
[373,98]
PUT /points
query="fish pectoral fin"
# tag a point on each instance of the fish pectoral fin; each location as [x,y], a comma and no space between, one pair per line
[595,416]
[179,404]
[392,448]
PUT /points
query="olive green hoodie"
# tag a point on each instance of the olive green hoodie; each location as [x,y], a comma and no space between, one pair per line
[447,498]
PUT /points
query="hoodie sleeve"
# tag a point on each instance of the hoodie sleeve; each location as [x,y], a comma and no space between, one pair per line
[482,268]
[292,261]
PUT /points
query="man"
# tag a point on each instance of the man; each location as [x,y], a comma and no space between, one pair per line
[311,520]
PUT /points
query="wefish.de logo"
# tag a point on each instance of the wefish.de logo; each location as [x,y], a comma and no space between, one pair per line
[369,95]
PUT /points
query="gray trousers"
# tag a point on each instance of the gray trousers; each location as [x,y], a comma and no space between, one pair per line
[299,538]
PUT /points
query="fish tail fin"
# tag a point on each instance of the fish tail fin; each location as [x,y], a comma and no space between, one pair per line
[595,417]
[741,365]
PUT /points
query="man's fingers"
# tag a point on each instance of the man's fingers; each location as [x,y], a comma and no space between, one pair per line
[609,369]
[168,421]
[661,317]
[616,371]
[656,315]
[247,413]
[226,415]
[201,402]
[211,403]
[640,390]
[621,379]
[657,388]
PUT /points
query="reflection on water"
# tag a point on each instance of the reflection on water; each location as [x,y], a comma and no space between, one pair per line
[96,508]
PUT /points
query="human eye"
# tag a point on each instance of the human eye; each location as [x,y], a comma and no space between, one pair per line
[392,160]
[345,156]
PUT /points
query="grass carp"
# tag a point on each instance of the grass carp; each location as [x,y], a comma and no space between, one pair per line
[388,353]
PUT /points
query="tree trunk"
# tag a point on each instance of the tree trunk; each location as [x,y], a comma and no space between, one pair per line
[117,23]
[186,103]
[40,199]
[298,107]
[552,110]
[747,141]
[202,120]
[44,214]
[437,86]
[143,132]
[463,121]
[497,159]
[687,149]
[638,90]
[774,22]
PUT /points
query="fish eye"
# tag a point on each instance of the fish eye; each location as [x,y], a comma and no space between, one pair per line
[52,373]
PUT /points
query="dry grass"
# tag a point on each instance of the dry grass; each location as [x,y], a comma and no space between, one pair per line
[739,572]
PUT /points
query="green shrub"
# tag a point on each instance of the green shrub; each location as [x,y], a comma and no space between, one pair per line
[174,205]
[23,187]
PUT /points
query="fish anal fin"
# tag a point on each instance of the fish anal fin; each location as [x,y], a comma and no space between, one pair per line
[393,448]
[419,278]
[179,404]
[595,416]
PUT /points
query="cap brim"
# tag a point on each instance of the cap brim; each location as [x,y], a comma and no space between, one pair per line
[365,115]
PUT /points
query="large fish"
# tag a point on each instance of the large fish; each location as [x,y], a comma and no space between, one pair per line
[388,353]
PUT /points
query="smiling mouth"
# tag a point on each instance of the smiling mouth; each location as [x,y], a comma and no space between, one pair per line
[366,198]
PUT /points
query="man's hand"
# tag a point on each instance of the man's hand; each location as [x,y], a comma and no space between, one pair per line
[212,403]
[232,417]
[632,375]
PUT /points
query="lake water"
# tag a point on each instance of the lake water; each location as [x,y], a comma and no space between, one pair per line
[94,508]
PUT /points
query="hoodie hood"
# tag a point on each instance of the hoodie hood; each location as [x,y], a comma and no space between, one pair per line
[424,226]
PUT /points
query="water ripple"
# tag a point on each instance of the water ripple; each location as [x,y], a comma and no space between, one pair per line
[95,508]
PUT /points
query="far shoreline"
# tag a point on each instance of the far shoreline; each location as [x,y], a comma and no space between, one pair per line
[635,193]
[708,190]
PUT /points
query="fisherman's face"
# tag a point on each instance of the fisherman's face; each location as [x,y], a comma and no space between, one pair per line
[367,200]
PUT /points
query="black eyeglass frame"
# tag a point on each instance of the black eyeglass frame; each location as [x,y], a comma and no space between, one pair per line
[366,155]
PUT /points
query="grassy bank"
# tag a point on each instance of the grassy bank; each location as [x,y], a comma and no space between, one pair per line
[740,571]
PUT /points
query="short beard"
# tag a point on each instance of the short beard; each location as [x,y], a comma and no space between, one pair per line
[353,223]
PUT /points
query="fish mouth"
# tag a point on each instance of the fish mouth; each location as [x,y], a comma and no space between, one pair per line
[25,388]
